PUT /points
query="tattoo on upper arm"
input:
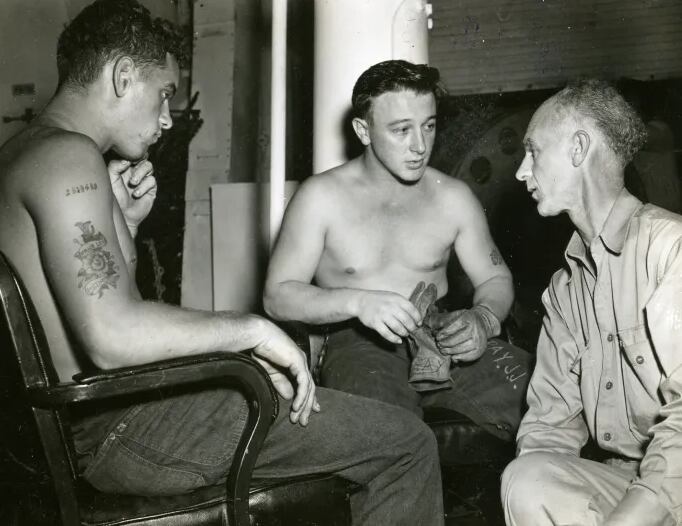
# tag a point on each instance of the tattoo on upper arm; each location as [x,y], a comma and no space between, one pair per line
[81,188]
[99,271]
[496,257]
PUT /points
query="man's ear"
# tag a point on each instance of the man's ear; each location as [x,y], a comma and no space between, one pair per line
[124,68]
[580,147]
[361,128]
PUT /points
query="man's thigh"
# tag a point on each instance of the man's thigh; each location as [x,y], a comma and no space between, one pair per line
[360,362]
[184,442]
[491,391]
[552,488]
[170,445]
[351,435]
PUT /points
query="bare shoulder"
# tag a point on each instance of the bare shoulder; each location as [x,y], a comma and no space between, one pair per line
[43,164]
[325,189]
[450,192]
[40,152]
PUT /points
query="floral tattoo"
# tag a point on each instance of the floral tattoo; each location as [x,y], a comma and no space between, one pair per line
[99,271]
[496,257]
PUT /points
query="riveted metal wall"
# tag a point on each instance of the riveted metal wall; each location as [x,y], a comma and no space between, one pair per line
[513,45]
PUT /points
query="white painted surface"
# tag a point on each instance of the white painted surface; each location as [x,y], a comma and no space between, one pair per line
[350,36]
[278,116]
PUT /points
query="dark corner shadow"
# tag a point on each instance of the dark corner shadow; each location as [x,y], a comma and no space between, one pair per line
[353,147]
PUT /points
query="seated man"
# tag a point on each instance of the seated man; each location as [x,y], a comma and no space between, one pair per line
[356,241]
[70,230]
[608,358]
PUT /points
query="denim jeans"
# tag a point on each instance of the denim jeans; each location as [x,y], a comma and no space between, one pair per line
[176,444]
[490,391]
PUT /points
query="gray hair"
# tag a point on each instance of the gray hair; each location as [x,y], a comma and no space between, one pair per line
[623,129]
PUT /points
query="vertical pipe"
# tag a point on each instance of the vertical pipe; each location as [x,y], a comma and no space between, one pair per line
[278,116]
[350,36]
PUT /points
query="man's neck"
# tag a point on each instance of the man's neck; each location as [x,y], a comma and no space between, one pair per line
[590,217]
[376,173]
[75,112]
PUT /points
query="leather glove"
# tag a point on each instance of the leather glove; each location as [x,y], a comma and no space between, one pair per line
[463,334]
[430,370]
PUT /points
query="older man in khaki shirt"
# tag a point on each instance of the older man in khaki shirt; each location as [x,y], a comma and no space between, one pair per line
[608,365]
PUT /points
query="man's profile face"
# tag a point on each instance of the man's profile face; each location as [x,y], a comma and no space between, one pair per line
[402,129]
[546,168]
[147,113]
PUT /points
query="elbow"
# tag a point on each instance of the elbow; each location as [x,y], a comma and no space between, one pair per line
[105,343]
[276,302]
[270,302]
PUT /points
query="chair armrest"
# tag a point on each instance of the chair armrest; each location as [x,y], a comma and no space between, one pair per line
[237,369]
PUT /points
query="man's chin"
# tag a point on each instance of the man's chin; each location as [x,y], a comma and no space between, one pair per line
[411,177]
[546,211]
[134,156]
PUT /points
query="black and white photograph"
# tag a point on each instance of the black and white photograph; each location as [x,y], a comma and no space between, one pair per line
[341,262]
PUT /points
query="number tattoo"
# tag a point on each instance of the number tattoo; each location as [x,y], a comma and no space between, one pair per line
[81,188]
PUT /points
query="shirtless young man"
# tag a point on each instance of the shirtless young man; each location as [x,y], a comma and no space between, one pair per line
[69,229]
[357,239]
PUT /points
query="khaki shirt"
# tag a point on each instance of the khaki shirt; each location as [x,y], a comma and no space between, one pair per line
[610,350]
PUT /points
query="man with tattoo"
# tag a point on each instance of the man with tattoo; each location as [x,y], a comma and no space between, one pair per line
[357,239]
[68,226]
[609,366]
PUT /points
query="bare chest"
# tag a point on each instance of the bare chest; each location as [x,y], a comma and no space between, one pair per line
[368,240]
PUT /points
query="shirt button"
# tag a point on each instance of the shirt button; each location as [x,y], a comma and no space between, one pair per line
[639,360]
[609,385]
[610,337]
[607,436]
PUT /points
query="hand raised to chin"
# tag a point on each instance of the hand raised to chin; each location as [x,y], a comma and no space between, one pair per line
[134,187]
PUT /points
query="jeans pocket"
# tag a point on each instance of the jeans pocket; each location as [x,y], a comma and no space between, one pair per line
[123,471]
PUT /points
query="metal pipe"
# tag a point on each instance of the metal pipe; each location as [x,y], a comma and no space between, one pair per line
[278,116]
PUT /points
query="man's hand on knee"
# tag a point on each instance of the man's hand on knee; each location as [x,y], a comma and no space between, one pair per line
[284,362]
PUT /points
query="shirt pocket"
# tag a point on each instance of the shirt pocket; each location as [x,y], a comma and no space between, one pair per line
[642,366]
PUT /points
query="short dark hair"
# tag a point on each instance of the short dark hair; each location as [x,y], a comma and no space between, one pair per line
[109,28]
[393,75]
[598,100]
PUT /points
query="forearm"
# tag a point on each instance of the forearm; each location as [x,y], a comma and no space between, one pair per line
[297,301]
[126,240]
[147,331]
[495,294]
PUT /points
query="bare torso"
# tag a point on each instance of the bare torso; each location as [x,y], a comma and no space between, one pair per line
[386,237]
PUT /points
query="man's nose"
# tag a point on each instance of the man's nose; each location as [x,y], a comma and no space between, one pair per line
[165,119]
[418,144]
[525,169]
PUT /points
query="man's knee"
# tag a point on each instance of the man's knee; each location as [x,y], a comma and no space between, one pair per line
[524,482]
[408,428]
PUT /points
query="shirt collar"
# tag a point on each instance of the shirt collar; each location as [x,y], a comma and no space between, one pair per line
[615,229]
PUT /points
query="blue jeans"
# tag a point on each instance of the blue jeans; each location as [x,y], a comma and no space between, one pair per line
[176,444]
[490,391]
